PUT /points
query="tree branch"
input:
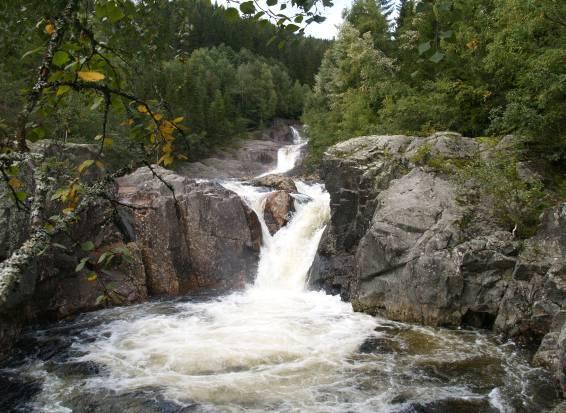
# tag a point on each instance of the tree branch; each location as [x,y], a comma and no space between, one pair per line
[61,26]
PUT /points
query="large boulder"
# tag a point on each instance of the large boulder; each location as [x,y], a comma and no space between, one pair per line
[279,206]
[405,243]
[279,182]
[200,236]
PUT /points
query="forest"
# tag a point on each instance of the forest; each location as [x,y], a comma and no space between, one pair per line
[481,68]
[223,74]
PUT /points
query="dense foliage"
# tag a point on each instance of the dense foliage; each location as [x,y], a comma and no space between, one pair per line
[484,67]
[223,74]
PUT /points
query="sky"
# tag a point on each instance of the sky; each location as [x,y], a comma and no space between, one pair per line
[325,30]
[329,28]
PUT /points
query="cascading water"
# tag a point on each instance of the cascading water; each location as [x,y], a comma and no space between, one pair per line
[288,155]
[280,347]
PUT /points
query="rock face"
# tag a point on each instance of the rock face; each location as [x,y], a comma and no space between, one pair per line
[246,159]
[401,245]
[205,237]
[142,241]
[52,288]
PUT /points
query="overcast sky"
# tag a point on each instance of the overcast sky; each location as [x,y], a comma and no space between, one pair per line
[328,29]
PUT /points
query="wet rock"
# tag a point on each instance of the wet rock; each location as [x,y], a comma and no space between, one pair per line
[205,237]
[278,209]
[247,158]
[279,182]
[16,392]
[51,288]
[133,402]
[404,243]
[75,369]
[450,405]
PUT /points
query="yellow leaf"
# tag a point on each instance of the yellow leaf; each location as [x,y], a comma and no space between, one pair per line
[108,142]
[92,277]
[179,119]
[49,28]
[67,211]
[168,138]
[167,159]
[91,76]
[158,116]
[182,157]
[130,122]
[85,165]
[99,164]
[15,182]
[166,127]
[167,148]
[472,44]
[152,138]
[142,108]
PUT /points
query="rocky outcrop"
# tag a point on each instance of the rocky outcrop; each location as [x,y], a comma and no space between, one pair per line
[404,244]
[201,237]
[245,159]
[51,288]
[140,240]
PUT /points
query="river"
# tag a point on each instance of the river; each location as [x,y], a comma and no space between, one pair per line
[276,346]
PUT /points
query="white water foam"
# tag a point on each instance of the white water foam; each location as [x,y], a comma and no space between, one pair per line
[279,347]
[288,155]
[275,343]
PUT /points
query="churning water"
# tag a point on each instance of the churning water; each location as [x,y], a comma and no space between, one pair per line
[274,347]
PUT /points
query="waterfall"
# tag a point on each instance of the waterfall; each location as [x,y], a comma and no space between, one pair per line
[278,346]
[288,155]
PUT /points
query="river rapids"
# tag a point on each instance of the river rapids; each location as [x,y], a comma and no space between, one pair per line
[274,347]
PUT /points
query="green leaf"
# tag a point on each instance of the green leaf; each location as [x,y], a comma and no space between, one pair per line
[319,19]
[97,102]
[13,170]
[283,6]
[105,258]
[61,90]
[30,52]
[271,2]
[424,47]
[247,7]
[298,19]
[232,14]
[100,299]
[422,7]
[292,28]
[437,57]
[60,58]
[21,196]
[114,13]
[447,34]
[80,266]
[87,246]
